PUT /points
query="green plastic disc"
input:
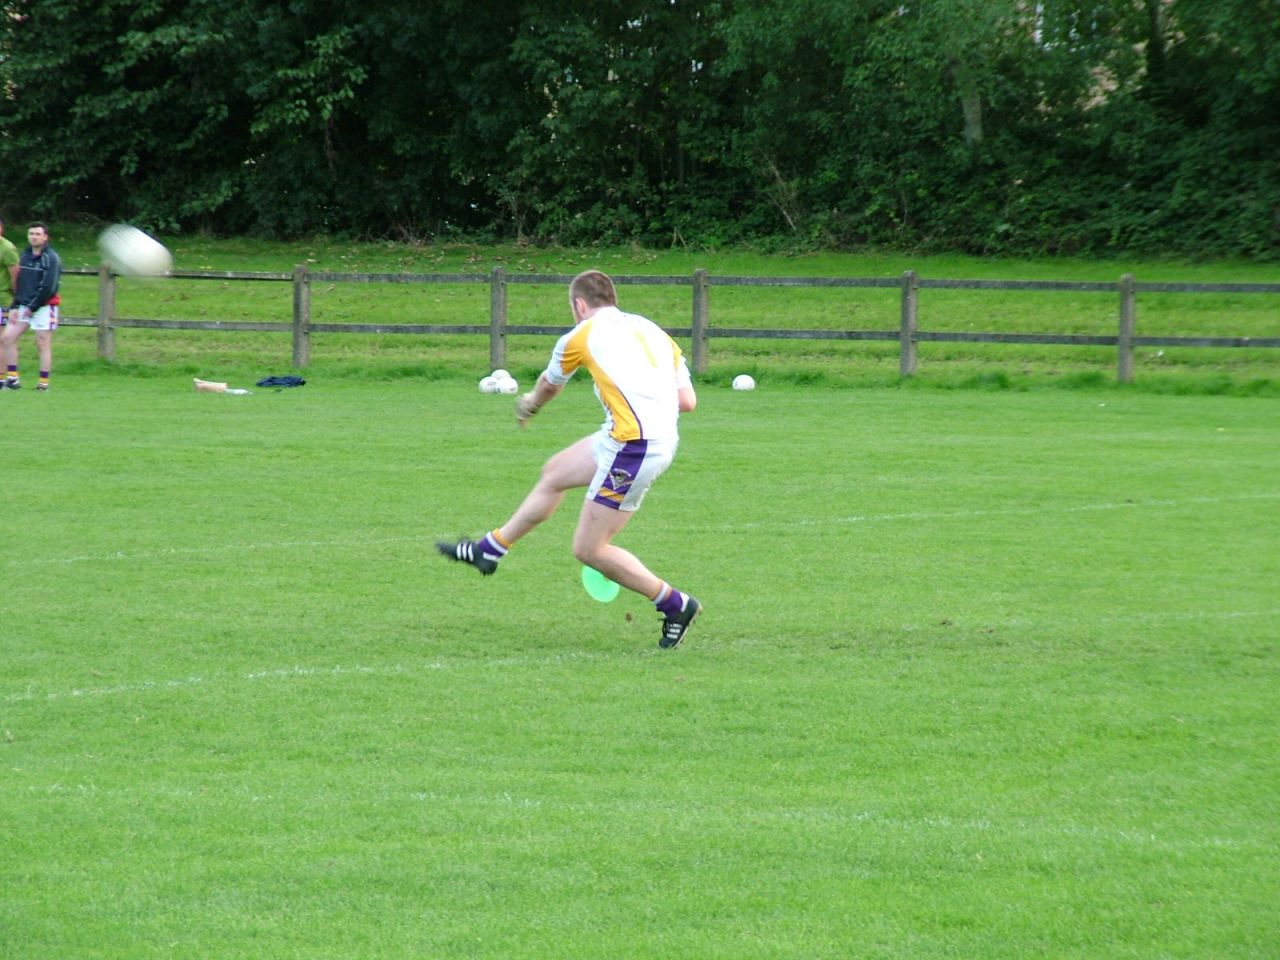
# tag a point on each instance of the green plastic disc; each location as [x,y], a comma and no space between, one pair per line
[598,585]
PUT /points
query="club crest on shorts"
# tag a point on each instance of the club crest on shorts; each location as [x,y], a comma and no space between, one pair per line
[620,479]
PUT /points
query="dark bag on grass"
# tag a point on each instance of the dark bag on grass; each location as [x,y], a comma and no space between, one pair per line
[281,382]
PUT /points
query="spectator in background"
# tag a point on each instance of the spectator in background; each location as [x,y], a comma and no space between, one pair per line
[35,306]
[9,263]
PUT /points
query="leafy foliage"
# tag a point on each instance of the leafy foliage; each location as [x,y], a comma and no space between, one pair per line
[1078,126]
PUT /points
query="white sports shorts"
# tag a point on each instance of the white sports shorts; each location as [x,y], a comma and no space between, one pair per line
[46,318]
[625,471]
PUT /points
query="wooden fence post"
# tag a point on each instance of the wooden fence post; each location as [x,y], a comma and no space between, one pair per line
[1128,322]
[907,332]
[701,316]
[301,315]
[106,313]
[497,318]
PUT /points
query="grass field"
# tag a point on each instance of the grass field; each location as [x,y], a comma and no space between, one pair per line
[982,674]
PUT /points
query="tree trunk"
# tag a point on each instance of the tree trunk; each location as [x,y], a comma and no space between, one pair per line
[970,103]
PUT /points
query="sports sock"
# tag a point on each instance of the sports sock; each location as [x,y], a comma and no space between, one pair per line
[44,378]
[668,600]
[12,373]
[491,543]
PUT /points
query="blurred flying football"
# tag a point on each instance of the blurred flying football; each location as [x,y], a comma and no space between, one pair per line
[131,253]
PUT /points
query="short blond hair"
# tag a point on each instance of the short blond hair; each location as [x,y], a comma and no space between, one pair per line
[594,287]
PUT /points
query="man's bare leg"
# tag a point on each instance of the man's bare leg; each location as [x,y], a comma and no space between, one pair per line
[574,466]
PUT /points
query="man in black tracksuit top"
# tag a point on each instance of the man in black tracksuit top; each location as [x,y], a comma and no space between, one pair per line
[35,306]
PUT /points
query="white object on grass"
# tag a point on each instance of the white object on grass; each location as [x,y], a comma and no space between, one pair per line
[508,385]
[744,381]
[500,374]
[217,386]
[488,385]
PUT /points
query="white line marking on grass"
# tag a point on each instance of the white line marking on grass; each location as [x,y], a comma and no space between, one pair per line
[79,692]
[1008,828]
[1159,616]
[215,550]
[282,674]
[1145,616]
[1009,511]
[221,549]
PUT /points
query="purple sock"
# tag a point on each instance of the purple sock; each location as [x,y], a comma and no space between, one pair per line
[672,603]
[489,544]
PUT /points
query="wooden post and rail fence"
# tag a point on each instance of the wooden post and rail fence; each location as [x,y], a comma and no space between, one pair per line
[700,331]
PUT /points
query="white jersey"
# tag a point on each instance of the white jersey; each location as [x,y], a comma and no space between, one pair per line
[637,370]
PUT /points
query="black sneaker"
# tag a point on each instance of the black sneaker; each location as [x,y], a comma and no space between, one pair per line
[674,625]
[12,383]
[468,551]
[42,386]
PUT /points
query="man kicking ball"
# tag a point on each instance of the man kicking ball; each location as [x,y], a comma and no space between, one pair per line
[643,382]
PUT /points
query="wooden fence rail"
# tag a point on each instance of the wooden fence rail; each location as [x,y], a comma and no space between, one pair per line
[908,333]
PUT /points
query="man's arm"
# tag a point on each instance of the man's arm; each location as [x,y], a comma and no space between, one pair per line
[530,403]
[51,280]
[685,396]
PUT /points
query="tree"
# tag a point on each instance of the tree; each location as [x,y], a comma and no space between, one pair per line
[120,108]
[1067,125]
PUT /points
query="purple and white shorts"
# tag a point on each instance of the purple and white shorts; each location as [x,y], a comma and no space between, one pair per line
[626,470]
